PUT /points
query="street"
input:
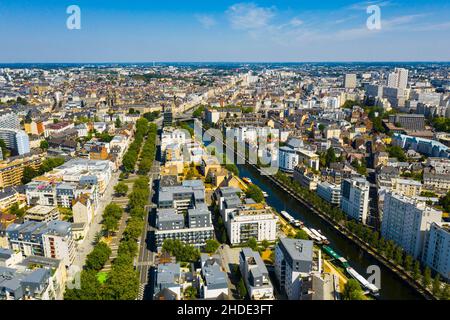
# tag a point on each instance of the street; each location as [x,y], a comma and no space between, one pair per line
[84,248]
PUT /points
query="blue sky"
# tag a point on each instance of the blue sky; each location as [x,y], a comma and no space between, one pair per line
[221,30]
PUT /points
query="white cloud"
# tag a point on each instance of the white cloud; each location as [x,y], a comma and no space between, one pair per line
[364,4]
[295,22]
[249,16]
[206,21]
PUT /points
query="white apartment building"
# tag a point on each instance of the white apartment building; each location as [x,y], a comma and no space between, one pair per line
[85,172]
[293,265]
[253,221]
[350,81]
[255,275]
[398,78]
[436,253]
[406,221]
[58,242]
[407,187]
[355,198]
[171,136]
[329,192]
[288,159]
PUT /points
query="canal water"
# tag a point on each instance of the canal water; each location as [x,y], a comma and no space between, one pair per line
[392,287]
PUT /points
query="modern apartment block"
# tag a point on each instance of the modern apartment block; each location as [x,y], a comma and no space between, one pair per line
[189,195]
[398,78]
[60,194]
[85,172]
[183,214]
[214,282]
[406,221]
[415,122]
[288,159]
[251,220]
[51,240]
[11,170]
[436,253]
[42,214]
[171,136]
[16,140]
[30,278]
[331,193]
[350,81]
[168,282]
[9,120]
[355,198]
[245,219]
[255,275]
[293,265]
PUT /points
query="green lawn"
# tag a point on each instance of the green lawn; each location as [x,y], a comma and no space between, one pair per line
[102,277]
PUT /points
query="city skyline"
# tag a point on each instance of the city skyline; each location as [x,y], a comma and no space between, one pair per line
[226,31]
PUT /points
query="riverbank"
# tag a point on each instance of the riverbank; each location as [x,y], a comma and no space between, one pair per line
[360,254]
[406,278]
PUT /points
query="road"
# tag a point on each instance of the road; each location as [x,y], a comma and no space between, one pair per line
[146,255]
[84,248]
[225,254]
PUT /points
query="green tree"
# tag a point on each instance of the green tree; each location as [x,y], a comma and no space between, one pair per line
[445,202]
[242,288]
[408,263]
[301,234]
[29,174]
[330,157]
[211,246]
[426,280]
[123,283]
[416,270]
[352,291]
[397,152]
[445,295]
[182,252]
[118,123]
[121,189]
[16,210]
[252,243]
[44,145]
[254,192]
[110,224]
[265,244]
[4,149]
[190,293]
[198,112]
[98,257]
[437,285]
[398,256]
[134,229]
[91,288]
[321,127]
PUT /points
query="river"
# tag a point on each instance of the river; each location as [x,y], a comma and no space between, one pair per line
[392,286]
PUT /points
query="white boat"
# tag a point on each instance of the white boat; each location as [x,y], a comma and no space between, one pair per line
[287,216]
[320,236]
[297,223]
[366,284]
[294,222]
[265,194]
[310,234]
